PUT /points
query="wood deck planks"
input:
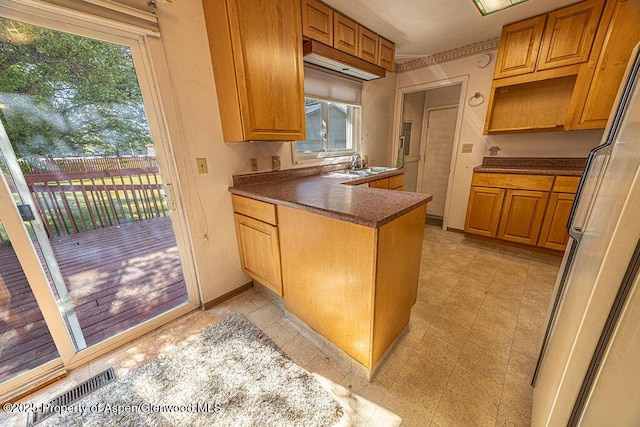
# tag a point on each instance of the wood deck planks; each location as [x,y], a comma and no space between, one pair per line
[117,278]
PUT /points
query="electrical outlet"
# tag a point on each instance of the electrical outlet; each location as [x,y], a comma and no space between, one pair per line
[275,163]
[467,148]
[201,163]
[254,164]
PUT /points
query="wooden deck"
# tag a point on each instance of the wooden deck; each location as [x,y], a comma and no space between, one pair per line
[117,277]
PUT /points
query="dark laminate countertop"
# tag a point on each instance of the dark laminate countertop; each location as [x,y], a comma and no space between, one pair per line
[532,165]
[331,195]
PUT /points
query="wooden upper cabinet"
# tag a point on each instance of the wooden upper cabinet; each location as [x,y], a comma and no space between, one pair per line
[597,86]
[345,34]
[317,21]
[569,34]
[260,91]
[367,45]
[386,54]
[519,47]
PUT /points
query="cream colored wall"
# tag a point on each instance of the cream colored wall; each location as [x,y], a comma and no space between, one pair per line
[378,103]
[189,95]
[550,144]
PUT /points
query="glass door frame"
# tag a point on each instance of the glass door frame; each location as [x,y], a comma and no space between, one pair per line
[147,51]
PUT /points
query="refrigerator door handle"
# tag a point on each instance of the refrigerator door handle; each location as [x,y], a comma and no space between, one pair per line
[589,184]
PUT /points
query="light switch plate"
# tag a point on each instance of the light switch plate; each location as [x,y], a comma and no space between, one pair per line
[254,164]
[275,163]
[201,163]
[467,148]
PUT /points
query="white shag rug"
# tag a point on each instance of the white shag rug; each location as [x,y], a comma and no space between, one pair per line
[230,375]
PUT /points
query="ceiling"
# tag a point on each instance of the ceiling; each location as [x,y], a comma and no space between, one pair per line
[425,27]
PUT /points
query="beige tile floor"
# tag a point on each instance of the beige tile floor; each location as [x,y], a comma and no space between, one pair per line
[465,360]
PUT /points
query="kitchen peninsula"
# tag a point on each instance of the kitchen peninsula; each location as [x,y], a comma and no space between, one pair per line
[345,258]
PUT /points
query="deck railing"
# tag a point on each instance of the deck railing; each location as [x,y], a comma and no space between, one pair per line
[80,164]
[73,202]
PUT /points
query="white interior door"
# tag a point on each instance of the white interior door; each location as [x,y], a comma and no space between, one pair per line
[437,149]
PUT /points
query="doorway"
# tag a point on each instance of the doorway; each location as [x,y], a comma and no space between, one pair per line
[433,112]
[88,218]
[437,150]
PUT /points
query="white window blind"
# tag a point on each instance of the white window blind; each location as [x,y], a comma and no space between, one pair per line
[329,87]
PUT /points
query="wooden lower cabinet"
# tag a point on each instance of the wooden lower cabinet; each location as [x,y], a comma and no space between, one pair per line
[527,209]
[258,241]
[353,284]
[553,234]
[395,182]
[483,211]
[380,183]
[260,251]
[522,215]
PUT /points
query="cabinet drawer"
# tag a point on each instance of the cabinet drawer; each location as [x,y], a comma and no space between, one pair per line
[379,183]
[515,181]
[257,209]
[566,184]
[396,181]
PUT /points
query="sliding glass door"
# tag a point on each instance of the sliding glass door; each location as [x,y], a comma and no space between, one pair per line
[79,165]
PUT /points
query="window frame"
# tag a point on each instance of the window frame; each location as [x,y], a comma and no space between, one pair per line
[326,153]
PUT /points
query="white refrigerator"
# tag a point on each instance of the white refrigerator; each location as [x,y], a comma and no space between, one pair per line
[588,372]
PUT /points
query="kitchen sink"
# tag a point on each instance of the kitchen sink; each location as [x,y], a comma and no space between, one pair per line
[373,170]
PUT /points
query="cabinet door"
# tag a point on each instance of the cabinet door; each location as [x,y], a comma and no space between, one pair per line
[260,251]
[317,21]
[386,54]
[553,234]
[522,215]
[345,34]
[396,181]
[519,47]
[367,45]
[483,211]
[597,86]
[569,34]
[260,91]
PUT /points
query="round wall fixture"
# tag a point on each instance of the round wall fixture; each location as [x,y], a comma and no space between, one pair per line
[476,100]
[483,60]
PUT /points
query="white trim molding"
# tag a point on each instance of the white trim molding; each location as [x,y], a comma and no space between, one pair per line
[449,55]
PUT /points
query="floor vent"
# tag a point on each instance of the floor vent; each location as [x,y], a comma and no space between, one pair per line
[71,396]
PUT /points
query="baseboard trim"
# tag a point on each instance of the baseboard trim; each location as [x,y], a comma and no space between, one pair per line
[222,298]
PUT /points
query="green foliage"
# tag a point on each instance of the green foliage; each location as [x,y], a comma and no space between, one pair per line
[68,95]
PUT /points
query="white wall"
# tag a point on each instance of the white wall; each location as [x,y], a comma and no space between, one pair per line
[549,144]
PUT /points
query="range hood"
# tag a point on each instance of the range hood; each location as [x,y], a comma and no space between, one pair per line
[327,57]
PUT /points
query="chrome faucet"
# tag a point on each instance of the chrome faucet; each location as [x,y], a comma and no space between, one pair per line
[356,161]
